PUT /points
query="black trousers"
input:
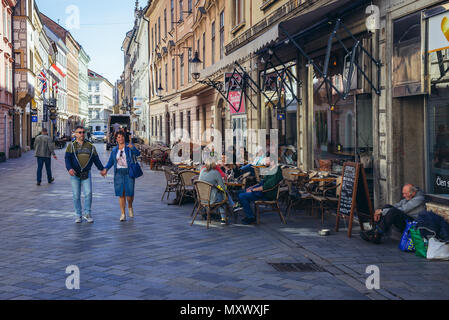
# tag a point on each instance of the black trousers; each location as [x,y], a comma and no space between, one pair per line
[394,217]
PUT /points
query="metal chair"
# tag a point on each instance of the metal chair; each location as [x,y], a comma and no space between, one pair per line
[274,204]
[204,190]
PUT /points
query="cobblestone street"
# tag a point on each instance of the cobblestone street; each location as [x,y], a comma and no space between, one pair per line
[158,255]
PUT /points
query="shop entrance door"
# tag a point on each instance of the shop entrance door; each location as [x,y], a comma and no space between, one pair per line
[239,127]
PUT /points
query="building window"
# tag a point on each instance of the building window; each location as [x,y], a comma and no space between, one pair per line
[174,121]
[152,126]
[204,50]
[180,10]
[182,69]
[90,87]
[221,35]
[160,77]
[189,72]
[190,6]
[189,125]
[173,75]
[166,77]
[159,29]
[152,39]
[181,119]
[165,22]
[172,13]
[97,99]
[238,12]
[213,43]
[97,87]
[155,35]
[90,102]
[160,125]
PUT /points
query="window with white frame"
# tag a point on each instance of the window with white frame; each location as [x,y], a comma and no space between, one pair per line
[238,12]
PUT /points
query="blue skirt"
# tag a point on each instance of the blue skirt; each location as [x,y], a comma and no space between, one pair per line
[122,182]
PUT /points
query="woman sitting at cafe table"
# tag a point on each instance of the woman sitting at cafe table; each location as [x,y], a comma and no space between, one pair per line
[272,177]
[211,175]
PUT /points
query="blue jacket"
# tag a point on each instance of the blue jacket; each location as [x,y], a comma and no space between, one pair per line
[129,153]
[72,163]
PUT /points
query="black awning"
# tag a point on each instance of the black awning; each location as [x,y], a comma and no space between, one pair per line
[318,18]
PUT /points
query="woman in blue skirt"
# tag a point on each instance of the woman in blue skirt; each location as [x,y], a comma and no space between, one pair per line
[121,158]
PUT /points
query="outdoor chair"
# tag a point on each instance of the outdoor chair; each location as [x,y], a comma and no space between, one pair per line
[204,190]
[274,204]
[187,188]
[195,178]
[322,197]
[156,159]
[172,182]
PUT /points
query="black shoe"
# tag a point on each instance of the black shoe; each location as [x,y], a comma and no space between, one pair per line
[51,181]
[223,221]
[367,235]
[38,184]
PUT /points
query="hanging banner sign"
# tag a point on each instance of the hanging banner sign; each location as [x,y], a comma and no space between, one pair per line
[234,82]
[439,32]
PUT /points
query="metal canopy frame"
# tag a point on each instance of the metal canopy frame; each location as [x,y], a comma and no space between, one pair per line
[352,52]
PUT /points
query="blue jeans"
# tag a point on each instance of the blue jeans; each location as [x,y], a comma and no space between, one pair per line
[86,185]
[246,198]
[40,165]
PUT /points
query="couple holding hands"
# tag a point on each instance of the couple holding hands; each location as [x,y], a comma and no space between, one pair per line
[81,154]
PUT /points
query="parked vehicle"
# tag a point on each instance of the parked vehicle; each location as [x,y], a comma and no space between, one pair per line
[98,136]
[116,120]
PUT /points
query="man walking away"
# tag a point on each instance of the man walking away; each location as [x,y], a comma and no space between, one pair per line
[44,149]
[79,157]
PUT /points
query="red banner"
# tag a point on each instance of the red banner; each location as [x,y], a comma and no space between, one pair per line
[54,66]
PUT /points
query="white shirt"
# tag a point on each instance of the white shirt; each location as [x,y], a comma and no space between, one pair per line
[121,160]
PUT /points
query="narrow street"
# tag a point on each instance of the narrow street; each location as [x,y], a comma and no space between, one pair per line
[158,255]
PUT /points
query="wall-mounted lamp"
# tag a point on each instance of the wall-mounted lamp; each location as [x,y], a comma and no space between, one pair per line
[196,63]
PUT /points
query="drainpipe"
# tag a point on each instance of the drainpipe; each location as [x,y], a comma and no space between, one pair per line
[13,73]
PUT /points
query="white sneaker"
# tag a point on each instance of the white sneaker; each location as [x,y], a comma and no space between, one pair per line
[78,220]
[88,218]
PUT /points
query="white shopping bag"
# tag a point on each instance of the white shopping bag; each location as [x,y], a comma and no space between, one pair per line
[437,250]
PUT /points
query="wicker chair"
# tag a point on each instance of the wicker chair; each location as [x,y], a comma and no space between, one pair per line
[204,190]
[274,204]
[186,187]
[172,182]
[321,196]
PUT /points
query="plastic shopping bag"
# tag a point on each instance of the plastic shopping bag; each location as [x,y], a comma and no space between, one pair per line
[437,250]
[406,243]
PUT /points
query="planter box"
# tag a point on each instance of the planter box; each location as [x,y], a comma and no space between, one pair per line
[2,159]
[14,153]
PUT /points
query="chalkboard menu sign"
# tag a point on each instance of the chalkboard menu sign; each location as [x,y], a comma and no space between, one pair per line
[354,196]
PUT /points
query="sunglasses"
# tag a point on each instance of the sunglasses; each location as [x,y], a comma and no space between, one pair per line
[81,132]
[121,153]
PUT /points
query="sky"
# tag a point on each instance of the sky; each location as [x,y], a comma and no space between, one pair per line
[99,26]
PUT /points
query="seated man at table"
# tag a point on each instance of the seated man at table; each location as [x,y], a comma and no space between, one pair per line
[260,160]
[398,214]
[254,193]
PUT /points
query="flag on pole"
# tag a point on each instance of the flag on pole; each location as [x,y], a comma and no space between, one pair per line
[54,66]
[42,76]
[55,87]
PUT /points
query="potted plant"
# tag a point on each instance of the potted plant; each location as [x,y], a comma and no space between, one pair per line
[2,157]
[14,151]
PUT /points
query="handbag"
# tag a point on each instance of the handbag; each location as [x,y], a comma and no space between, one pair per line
[406,243]
[135,171]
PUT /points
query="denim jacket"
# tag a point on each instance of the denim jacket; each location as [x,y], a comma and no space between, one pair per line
[130,153]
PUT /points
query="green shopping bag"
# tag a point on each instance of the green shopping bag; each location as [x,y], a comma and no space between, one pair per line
[418,241]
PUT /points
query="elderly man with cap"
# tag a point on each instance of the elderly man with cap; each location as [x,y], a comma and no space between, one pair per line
[408,209]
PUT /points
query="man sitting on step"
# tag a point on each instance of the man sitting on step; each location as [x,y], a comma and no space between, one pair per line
[405,210]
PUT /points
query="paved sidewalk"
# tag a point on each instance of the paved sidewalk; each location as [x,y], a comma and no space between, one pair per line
[158,255]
